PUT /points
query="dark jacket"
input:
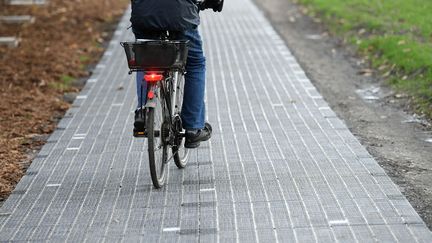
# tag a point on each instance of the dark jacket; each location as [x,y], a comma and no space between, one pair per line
[176,15]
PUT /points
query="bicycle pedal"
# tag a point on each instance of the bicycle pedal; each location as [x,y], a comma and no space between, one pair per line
[140,134]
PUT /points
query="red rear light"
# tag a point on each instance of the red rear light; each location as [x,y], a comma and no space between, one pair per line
[153,77]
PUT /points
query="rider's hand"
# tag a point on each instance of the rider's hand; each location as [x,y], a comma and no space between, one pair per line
[216,5]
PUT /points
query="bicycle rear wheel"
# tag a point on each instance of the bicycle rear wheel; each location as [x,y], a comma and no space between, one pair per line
[157,133]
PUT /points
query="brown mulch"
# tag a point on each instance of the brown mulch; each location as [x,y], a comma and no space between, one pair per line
[66,37]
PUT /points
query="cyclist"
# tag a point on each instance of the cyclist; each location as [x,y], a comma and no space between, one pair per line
[181,17]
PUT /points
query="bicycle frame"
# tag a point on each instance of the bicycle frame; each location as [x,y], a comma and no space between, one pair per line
[169,87]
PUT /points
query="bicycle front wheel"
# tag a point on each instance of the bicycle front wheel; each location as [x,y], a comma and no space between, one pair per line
[157,133]
[180,153]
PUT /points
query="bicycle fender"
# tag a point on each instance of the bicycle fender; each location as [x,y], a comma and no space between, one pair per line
[151,99]
[151,103]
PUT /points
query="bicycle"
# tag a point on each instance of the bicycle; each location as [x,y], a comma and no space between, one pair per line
[163,62]
[162,58]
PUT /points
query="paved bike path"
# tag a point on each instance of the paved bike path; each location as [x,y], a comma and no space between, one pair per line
[280,166]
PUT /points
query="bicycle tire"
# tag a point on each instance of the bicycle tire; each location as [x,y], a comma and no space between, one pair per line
[181,155]
[157,149]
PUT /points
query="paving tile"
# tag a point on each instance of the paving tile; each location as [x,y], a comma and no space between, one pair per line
[281,166]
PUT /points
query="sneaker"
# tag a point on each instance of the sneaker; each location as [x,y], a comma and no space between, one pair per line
[139,124]
[195,137]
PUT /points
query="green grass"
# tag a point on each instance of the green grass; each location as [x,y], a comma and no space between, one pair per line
[64,84]
[84,58]
[395,34]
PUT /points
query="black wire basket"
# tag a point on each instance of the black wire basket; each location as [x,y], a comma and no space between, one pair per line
[155,55]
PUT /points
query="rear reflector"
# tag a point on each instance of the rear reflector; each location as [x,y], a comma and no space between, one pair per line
[153,77]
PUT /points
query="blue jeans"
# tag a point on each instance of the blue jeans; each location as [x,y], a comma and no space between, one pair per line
[193,109]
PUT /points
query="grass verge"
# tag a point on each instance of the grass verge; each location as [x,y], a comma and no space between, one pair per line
[395,35]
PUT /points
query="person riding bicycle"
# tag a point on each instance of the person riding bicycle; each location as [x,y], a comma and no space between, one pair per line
[149,19]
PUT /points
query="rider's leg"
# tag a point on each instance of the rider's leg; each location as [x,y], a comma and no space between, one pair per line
[140,75]
[139,123]
[139,83]
[193,109]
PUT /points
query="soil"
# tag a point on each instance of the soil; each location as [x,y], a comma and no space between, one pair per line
[55,51]
[379,117]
